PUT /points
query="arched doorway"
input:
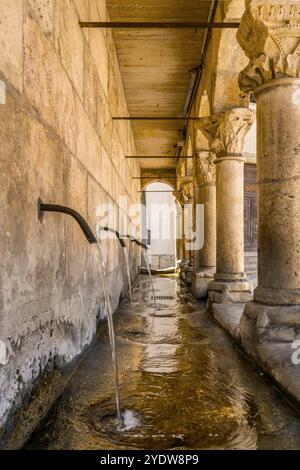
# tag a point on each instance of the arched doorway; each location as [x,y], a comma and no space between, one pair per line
[159,225]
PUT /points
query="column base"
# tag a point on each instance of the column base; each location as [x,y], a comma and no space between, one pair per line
[262,323]
[186,272]
[229,292]
[267,334]
[200,281]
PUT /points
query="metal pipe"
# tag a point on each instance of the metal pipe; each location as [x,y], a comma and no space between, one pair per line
[67,210]
[156,118]
[108,229]
[160,157]
[134,240]
[157,25]
[155,177]
[171,191]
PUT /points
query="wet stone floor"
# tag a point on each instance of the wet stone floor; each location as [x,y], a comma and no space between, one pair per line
[183,385]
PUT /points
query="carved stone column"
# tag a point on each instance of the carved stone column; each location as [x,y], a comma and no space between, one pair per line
[226,132]
[184,196]
[205,194]
[270,36]
[179,226]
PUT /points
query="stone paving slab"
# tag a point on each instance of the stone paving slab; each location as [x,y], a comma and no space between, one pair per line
[229,315]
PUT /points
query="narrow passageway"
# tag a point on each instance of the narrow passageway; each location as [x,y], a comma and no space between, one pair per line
[184,383]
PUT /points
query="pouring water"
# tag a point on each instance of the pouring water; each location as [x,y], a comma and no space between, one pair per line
[126,253]
[98,253]
[149,272]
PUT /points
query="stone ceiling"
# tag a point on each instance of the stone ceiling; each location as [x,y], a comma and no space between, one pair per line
[155,67]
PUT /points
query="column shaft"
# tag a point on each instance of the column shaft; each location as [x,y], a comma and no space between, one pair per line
[269,36]
[230,219]
[206,257]
[226,132]
[279,192]
[205,194]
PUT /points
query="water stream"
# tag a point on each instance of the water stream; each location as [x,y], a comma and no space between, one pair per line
[126,254]
[184,386]
[102,270]
[145,256]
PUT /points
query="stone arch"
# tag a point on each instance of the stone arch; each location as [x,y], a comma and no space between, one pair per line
[203,110]
[204,106]
[189,161]
[229,60]
[146,181]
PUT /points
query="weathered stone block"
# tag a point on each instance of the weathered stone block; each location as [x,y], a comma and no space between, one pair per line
[99,47]
[229,316]
[77,248]
[92,90]
[113,81]
[46,84]
[89,149]
[200,283]
[69,42]
[51,296]
[11,41]
[43,12]
[106,171]
[33,167]
[83,9]
[105,121]
[227,292]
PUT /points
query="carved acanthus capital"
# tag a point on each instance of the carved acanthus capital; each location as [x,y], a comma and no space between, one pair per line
[269,34]
[184,194]
[227,131]
[178,196]
[205,169]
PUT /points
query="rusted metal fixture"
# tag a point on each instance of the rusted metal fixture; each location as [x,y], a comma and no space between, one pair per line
[89,235]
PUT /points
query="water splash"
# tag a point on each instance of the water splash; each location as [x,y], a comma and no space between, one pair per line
[145,255]
[126,254]
[130,420]
[99,255]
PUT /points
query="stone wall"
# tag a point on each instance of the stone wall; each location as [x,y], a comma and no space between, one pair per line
[60,85]
[162,261]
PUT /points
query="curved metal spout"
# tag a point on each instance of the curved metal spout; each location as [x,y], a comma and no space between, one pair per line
[107,229]
[134,240]
[89,235]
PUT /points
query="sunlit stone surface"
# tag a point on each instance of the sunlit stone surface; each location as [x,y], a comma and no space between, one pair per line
[176,383]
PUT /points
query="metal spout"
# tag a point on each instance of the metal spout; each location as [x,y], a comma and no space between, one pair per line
[89,235]
[107,229]
[134,240]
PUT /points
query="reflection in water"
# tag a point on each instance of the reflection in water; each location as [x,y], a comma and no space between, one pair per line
[145,256]
[182,379]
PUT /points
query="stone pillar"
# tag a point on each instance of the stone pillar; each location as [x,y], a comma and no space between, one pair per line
[205,194]
[227,132]
[184,196]
[269,35]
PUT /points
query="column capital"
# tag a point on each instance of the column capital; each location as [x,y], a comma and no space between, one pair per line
[187,189]
[269,34]
[184,194]
[227,131]
[205,169]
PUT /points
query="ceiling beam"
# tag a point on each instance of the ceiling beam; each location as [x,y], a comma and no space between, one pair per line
[159,157]
[154,177]
[166,191]
[157,25]
[155,118]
